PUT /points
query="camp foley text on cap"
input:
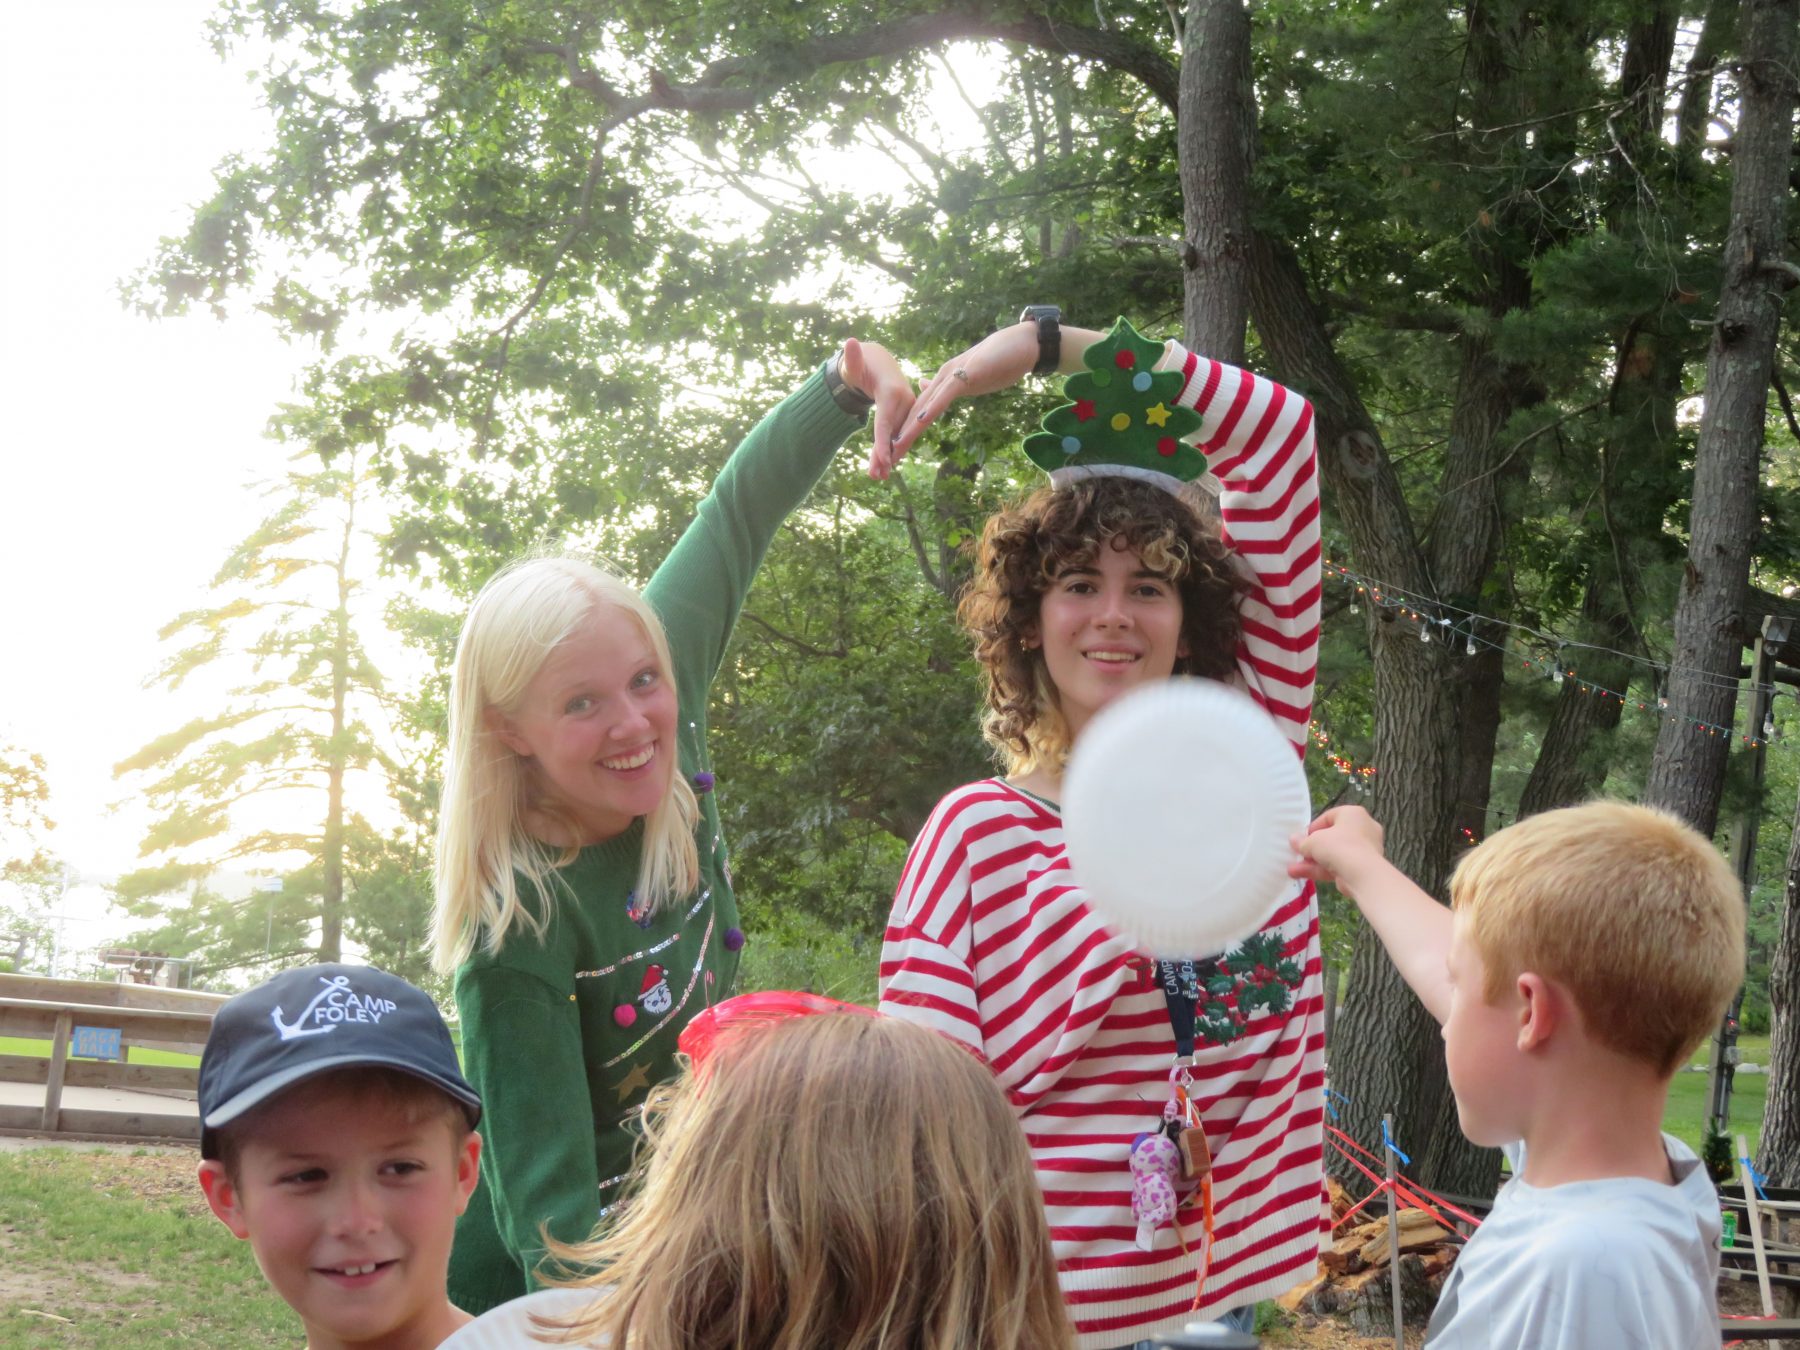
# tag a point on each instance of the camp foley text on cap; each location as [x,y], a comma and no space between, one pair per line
[314,1019]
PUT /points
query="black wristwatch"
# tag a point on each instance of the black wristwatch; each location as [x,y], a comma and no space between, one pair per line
[852,401]
[1048,319]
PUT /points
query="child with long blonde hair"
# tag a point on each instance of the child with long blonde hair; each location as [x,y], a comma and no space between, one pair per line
[830,1182]
[584,898]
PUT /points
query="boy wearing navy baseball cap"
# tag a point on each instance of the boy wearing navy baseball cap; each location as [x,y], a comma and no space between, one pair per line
[338,1138]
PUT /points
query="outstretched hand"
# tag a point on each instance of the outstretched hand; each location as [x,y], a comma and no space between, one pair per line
[872,370]
[1337,847]
[999,361]
[1344,845]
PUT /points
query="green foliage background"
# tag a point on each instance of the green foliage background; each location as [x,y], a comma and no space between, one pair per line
[554,260]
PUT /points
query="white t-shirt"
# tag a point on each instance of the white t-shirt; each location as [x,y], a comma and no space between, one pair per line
[1589,1265]
[509,1327]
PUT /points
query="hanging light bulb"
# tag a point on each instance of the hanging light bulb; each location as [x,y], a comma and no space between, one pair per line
[1557,673]
[1424,631]
[1662,704]
[1471,647]
[1354,608]
[1768,726]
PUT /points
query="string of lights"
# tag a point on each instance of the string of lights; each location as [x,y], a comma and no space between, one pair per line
[1451,624]
[1358,774]
[1461,622]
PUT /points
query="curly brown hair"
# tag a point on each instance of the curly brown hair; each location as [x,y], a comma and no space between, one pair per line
[1025,547]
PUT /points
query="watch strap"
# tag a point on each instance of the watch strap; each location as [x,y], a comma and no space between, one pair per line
[1048,319]
[853,401]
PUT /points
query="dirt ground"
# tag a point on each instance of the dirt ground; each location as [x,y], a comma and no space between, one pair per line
[1322,1333]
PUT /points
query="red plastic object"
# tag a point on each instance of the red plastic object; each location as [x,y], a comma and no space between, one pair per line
[702,1035]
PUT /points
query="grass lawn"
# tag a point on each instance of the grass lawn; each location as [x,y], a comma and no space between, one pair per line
[1686,1116]
[107,1249]
[1751,1049]
[1687,1107]
[134,1054]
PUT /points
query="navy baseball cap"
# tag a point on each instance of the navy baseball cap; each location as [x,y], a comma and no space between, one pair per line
[312,1020]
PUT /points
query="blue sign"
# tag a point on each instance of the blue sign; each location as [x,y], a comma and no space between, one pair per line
[96,1043]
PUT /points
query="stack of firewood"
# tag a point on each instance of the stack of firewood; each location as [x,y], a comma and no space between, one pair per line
[1354,1274]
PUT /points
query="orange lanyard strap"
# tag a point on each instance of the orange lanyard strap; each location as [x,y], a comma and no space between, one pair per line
[1182,1117]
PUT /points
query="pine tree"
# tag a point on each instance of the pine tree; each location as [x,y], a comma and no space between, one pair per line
[300,730]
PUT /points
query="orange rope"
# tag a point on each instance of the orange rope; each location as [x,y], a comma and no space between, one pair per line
[1411,1193]
[1190,1120]
[1206,1218]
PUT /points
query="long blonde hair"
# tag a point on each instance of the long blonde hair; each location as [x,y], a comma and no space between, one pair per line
[484,848]
[833,1182]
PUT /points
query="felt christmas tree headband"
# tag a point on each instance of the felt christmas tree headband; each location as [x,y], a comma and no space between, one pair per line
[1124,420]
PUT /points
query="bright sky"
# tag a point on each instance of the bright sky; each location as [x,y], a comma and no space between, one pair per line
[128,445]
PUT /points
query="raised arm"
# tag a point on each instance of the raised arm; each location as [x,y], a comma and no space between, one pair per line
[1257,437]
[1344,845]
[700,588]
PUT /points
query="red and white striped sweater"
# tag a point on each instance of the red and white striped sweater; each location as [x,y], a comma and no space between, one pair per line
[990,942]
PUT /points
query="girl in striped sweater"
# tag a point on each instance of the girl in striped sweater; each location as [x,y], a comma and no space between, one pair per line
[1116,575]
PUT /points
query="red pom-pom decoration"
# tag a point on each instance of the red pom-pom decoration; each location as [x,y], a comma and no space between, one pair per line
[1166,446]
[1084,409]
[624,1014]
[1125,360]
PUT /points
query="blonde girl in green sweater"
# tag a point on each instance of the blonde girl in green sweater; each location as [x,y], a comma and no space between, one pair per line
[584,898]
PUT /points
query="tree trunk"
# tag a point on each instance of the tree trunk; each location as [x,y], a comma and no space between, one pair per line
[1570,766]
[1644,75]
[1640,473]
[1387,1051]
[1435,713]
[1439,1150]
[1717,29]
[1781,1117]
[1483,678]
[1214,127]
[1687,773]
[343,654]
[1329,969]
[1385,1046]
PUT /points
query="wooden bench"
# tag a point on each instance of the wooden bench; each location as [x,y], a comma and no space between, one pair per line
[173,1019]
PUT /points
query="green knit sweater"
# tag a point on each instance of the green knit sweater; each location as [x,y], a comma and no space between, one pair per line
[563,1037]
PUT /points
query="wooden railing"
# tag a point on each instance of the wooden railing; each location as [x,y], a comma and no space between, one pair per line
[171,1019]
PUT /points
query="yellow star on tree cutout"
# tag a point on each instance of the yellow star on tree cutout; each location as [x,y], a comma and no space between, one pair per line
[1156,416]
[635,1081]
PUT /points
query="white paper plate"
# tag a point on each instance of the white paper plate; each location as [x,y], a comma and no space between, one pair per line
[1178,805]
